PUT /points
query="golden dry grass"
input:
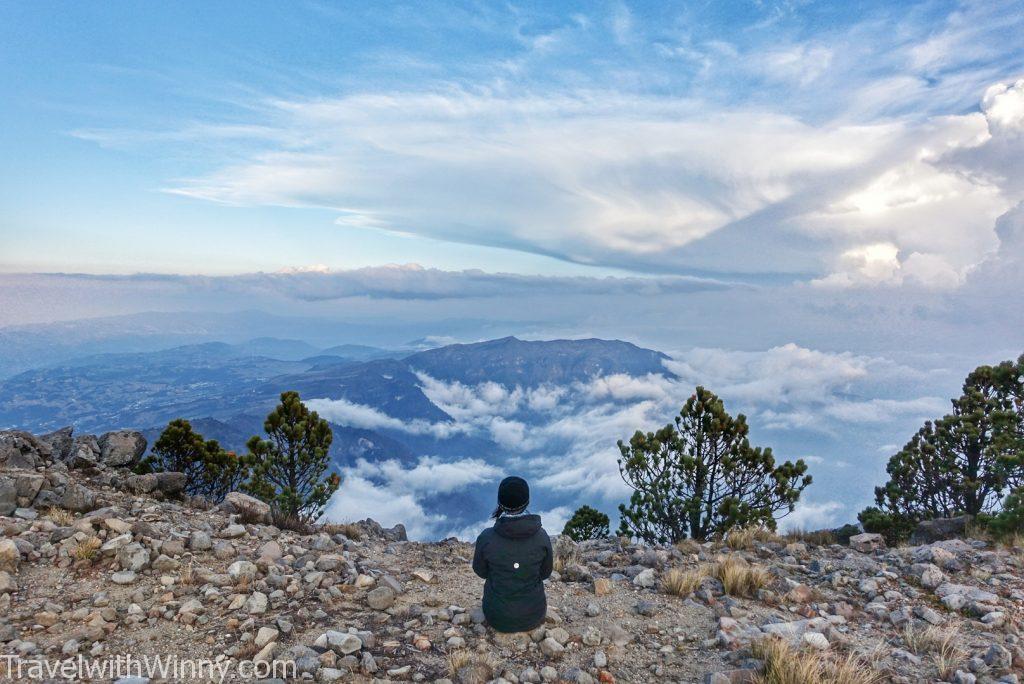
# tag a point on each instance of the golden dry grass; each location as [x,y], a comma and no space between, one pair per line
[786,664]
[941,643]
[471,668]
[349,530]
[744,538]
[458,660]
[738,577]
[688,547]
[60,516]
[187,574]
[815,538]
[87,549]
[679,582]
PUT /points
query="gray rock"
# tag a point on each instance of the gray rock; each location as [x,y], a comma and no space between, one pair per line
[171,483]
[233,531]
[242,571]
[342,643]
[85,452]
[645,579]
[20,449]
[551,648]
[78,499]
[142,484]
[867,542]
[10,555]
[929,531]
[8,495]
[123,577]
[929,574]
[199,541]
[134,557]
[60,443]
[381,598]
[256,604]
[121,448]
[238,503]
[998,657]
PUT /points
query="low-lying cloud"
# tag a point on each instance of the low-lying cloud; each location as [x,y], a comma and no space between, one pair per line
[564,437]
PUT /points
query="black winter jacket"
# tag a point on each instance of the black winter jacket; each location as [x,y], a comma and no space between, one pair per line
[515,558]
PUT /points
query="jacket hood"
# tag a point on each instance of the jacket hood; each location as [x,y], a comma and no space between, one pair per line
[518,527]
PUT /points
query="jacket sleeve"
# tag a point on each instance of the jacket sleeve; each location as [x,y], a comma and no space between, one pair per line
[549,558]
[480,566]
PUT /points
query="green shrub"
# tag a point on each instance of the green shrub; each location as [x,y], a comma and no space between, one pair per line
[895,528]
[1009,522]
[700,477]
[586,523]
[966,461]
[843,534]
[289,467]
[210,471]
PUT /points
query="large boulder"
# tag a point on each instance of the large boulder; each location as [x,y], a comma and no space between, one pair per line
[21,450]
[142,484]
[59,442]
[867,542]
[122,448]
[8,495]
[237,502]
[85,452]
[930,531]
[171,483]
[78,499]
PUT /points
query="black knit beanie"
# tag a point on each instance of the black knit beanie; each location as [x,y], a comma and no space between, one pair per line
[513,494]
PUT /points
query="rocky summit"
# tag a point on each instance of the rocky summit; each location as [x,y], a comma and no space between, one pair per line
[98,562]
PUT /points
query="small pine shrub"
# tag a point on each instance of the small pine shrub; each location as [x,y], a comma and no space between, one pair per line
[1009,522]
[586,523]
[894,527]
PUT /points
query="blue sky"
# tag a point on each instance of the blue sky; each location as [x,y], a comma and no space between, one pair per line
[596,138]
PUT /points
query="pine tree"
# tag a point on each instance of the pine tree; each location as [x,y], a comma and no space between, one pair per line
[700,476]
[586,523]
[289,466]
[966,461]
[210,471]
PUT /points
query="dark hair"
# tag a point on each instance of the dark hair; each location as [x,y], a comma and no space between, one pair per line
[499,510]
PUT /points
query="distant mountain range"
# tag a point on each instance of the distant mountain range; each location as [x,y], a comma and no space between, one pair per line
[227,389]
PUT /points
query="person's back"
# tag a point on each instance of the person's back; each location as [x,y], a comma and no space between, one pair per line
[514,557]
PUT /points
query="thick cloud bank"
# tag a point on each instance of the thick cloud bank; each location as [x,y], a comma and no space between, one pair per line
[563,438]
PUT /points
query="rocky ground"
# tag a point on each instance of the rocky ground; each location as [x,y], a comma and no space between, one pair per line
[95,562]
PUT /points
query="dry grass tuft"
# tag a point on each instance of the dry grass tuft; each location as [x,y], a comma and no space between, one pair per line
[785,664]
[87,549]
[815,538]
[60,516]
[744,538]
[679,582]
[187,575]
[942,643]
[466,667]
[738,577]
[350,530]
[688,547]
[458,660]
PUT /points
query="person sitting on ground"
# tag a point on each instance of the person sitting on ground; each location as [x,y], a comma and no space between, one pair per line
[514,557]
